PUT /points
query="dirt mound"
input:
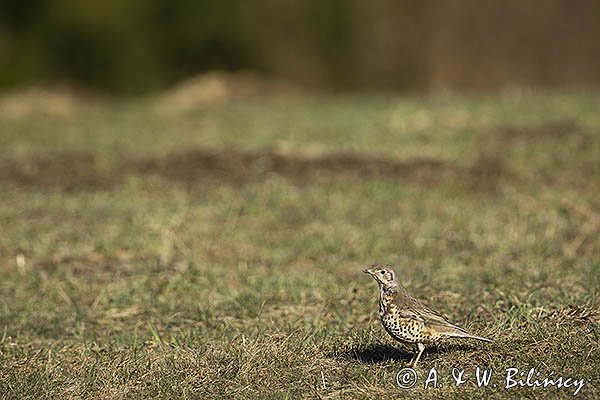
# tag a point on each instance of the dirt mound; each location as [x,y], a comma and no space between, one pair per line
[59,103]
[221,87]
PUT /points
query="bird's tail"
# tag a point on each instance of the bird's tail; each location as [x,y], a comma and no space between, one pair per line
[462,334]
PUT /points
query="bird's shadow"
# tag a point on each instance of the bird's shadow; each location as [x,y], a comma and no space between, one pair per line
[378,353]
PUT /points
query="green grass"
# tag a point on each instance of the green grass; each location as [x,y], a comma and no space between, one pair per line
[133,266]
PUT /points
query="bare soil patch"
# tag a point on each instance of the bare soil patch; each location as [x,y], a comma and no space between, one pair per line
[80,170]
[65,172]
[536,132]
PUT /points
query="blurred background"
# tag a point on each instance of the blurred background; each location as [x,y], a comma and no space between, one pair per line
[136,47]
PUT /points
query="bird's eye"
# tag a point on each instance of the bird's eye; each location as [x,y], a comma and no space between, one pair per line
[382,272]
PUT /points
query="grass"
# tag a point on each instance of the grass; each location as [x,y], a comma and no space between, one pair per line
[218,252]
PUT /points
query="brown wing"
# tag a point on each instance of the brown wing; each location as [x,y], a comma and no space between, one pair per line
[440,322]
[415,309]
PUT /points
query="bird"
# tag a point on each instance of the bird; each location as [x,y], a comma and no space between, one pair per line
[407,319]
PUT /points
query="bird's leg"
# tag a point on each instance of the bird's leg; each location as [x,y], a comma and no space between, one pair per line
[421,347]
[413,352]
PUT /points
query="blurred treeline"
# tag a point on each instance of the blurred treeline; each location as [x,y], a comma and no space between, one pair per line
[135,46]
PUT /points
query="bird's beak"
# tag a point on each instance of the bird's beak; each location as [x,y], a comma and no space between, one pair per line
[368,271]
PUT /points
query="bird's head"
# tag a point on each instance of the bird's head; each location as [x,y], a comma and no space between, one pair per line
[383,274]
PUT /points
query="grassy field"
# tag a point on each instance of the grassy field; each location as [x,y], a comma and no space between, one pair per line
[148,251]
